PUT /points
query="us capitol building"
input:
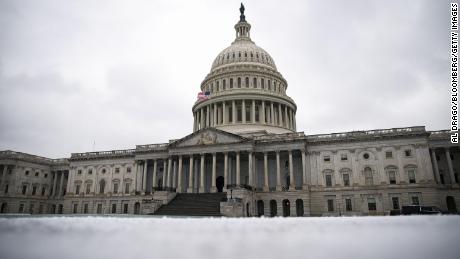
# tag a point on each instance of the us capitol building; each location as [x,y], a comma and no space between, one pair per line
[245,157]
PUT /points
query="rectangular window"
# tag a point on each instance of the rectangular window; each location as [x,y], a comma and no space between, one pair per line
[346,179]
[388,154]
[77,189]
[344,157]
[99,209]
[34,190]
[46,175]
[328,180]
[75,208]
[368,178]
[24,189]
[128,169]
[395,202]
[348,205]
[125,208]
[392,177]
[127,188]
[408,152]
[88,188]
[36,174]
[90,171]
[330,205]
[415,200]
[114,208]
[441,177]
[115,188]
[117,170]
[27,172]
[371,205]
[327,159]
[85,208]
[6,189]
[43,191]
[79,172]
[411,174]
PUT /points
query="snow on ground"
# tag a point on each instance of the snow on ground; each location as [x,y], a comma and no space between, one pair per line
[146,237]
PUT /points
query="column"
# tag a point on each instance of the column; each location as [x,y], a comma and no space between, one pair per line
[61,184]
[250,170]
[225,170]
[168,179]
[154,177]
[278,172]
[291,173]
[233,112]
[190,178]
[194,121]
[280,115]
[243,111]
[144,177]
[179,176]
[291,121]
[165,172]
[201,190]
[266,186]
[208,115]
[214,121]
[449,164]
[174,176]
[286,119]
[305,174]
[253,112]
[213,179]
[238,171]
[224,113]
[202,118]
[272,114]
[54,184]
[262,113]
[435,165]
[5,171]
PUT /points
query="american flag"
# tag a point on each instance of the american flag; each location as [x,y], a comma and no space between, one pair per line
[203,95]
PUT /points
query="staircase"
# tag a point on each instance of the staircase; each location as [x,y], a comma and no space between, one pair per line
[193,204]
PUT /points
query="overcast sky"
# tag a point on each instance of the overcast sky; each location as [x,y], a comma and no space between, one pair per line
[121,73]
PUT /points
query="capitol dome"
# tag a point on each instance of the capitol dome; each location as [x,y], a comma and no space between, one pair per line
[244,93]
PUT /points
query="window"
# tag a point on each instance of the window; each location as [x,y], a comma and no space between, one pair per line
[102,186]
[99,209]
[43,190]
[46,175]
[366,156]
[395,202]
[392,177]
[346,179]
[388,154]
[231,83]
[368,176]
[456,177]
[246,83]
[441,176]
[115,188]
[36,174]
[79,172]
[411,174]
[408,152]
[75,208]
[103,170]
[344,157]
[348,205]
[239,82]
[371,205]
[126,188]
[34,190]
[327,159]
[451,156]
[77,189]
[328,180]
[6,188]
[24,189]
[330,205]
[27,172]
[85,208]
[415,200]
[114,208]
[125,208]
[128,169]
[117,170]
[88,188]
[31,208]
[90,171]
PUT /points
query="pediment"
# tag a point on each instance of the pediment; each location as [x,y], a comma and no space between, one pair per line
[209,136]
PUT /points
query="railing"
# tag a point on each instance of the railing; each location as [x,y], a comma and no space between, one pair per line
[168,189]
[240,186]
[149,147]
[363,134]
[20,155]
[124,152]
[280,136]
[440,134]
[246,91]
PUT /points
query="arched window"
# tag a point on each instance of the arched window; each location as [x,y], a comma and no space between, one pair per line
[239,82]
[262,83]
[101,186]
[246,83]
[254,82]
[231,83]
[368,176]
[224,85]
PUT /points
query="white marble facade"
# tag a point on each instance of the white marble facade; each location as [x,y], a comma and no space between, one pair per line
[245,142]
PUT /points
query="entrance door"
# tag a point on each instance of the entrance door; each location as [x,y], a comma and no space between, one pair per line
[3,209]
[220,183]
[451,206]
[286,208]
[137,208]
[260,208]
[299,207]
[273,208]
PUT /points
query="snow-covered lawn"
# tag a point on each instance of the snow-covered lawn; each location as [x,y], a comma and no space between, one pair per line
[141,237]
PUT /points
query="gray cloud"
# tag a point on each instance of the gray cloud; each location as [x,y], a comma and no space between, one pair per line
[121,73]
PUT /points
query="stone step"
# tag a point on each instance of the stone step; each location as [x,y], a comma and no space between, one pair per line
[193,204]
